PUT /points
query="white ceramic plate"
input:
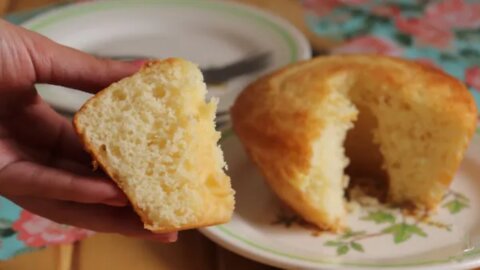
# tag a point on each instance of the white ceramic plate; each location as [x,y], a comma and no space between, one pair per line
[380,238]
[217,33]
[206,32]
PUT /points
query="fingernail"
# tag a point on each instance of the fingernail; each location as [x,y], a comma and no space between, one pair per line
[166,238]
[139,63]
[173,237]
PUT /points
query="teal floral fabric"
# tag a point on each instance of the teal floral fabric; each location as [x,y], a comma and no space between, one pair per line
[20,230]
[439,33]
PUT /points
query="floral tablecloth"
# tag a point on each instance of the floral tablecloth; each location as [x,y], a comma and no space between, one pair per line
[440,33]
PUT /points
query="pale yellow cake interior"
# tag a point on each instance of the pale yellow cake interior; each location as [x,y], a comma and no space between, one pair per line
[387,140]
[155,135]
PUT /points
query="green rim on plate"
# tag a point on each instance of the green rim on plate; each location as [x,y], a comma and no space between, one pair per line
[325,261]
[81,9]
[78,10]
[465,255]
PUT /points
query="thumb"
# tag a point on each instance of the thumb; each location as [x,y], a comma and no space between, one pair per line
[61,65]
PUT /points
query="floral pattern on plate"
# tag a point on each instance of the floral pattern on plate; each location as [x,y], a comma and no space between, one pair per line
[400,225]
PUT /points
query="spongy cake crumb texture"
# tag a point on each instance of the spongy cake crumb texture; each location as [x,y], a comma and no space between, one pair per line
[154,134]
[311,124]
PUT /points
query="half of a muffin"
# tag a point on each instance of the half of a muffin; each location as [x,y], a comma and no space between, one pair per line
[400,124]
[154,134]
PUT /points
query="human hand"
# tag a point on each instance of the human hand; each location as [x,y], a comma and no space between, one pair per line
[43,167]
